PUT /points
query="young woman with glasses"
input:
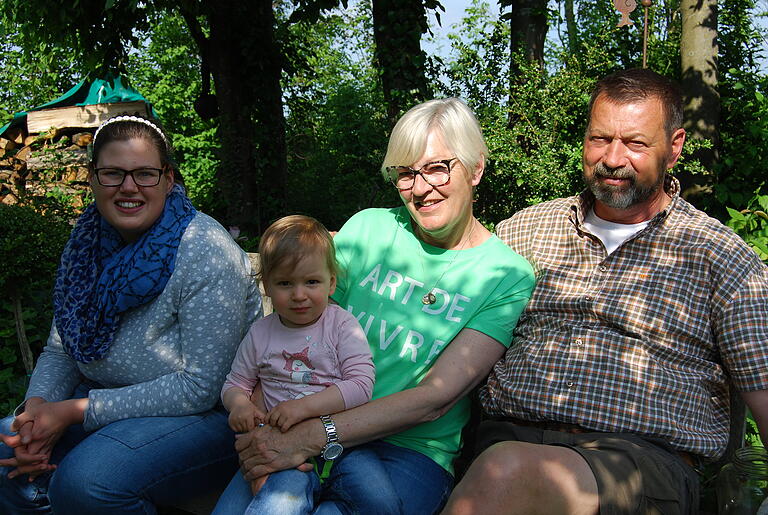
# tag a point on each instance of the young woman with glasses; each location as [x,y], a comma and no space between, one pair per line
[151,300]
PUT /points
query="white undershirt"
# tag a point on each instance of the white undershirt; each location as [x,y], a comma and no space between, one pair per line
[610,233]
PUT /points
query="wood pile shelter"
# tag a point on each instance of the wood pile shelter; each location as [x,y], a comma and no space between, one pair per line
[45,148]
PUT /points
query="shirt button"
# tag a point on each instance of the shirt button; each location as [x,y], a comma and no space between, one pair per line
[587,298]
[603,268]
[578,341]
[569,384]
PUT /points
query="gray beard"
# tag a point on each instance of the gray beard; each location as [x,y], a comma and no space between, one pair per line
[620,197]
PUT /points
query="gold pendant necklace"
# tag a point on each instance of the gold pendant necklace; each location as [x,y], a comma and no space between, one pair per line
[429,298]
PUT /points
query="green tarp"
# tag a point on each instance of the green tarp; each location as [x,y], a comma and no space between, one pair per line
[99,91]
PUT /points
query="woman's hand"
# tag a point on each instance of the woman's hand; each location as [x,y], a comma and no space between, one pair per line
[49,421]
[24,462]
[266,449]
[40,427]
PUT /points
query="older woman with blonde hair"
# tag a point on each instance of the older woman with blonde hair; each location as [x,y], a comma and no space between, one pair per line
[438,296]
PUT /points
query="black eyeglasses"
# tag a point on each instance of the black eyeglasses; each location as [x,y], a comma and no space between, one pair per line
[141,176]
[436,173]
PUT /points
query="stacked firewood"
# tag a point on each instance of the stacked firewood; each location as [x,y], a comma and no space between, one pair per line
[49,153]
[37,164]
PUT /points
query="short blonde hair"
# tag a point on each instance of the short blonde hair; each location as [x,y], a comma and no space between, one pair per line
[452,119]
[291,239]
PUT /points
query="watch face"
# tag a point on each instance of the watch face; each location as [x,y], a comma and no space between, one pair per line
[332,451]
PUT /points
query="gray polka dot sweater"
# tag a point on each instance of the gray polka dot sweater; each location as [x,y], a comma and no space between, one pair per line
[171,355]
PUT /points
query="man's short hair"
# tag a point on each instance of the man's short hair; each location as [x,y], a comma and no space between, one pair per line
[640,84]
[291,239]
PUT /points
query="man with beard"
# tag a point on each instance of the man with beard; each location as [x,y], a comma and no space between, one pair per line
[645,313]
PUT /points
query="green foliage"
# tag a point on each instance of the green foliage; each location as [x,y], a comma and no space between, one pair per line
[744,140]
[477,68]
[743,127]
[336,123]
[623,46]
[26,81]
[740,42]
[97,36]
[37,317]
[26,84]
[751,433]
[751,224]
[535,144]
[30,245]
[533,126]
[166,69]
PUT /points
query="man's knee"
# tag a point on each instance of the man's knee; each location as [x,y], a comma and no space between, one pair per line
[521,477]
[504,461]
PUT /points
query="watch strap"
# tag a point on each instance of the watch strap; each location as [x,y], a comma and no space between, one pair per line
[331,435]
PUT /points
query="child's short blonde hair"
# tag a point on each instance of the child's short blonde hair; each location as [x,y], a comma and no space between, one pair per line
[291,239]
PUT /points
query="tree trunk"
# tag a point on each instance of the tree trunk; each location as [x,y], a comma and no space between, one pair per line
[698,60]
[246,66]
[529,30]
[570,24]
[21,334]
[397,29]
[267,98]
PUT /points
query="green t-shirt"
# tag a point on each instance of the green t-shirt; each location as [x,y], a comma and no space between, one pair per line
[385,271]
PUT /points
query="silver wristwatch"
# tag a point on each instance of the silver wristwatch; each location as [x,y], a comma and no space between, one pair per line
[332,448]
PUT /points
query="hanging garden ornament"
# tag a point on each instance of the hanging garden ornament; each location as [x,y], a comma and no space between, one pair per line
[625,7]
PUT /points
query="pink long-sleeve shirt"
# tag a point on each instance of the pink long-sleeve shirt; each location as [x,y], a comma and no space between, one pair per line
[296,362]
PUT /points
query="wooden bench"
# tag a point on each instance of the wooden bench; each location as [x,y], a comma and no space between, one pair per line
[266,302]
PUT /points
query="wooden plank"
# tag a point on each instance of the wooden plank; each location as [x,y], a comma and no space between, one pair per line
[81,116]
[266,302]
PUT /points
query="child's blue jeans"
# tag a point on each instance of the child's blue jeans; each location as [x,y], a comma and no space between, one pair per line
[375,478]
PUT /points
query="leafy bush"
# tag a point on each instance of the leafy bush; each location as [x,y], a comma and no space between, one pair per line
[752,224]
[744,134]
[30,246]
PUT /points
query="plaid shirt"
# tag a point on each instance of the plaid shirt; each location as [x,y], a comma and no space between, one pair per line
[643,340]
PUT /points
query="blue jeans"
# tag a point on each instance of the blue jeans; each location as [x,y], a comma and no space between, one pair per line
[126,467]
[376,478]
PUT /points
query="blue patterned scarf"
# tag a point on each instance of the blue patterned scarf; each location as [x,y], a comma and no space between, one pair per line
[101,277]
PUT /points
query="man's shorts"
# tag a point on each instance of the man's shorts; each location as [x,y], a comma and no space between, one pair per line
[634,474]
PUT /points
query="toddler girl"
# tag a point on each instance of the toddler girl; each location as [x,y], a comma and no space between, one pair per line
[309,359]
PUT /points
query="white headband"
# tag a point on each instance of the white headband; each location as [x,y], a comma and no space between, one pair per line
[124,118]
